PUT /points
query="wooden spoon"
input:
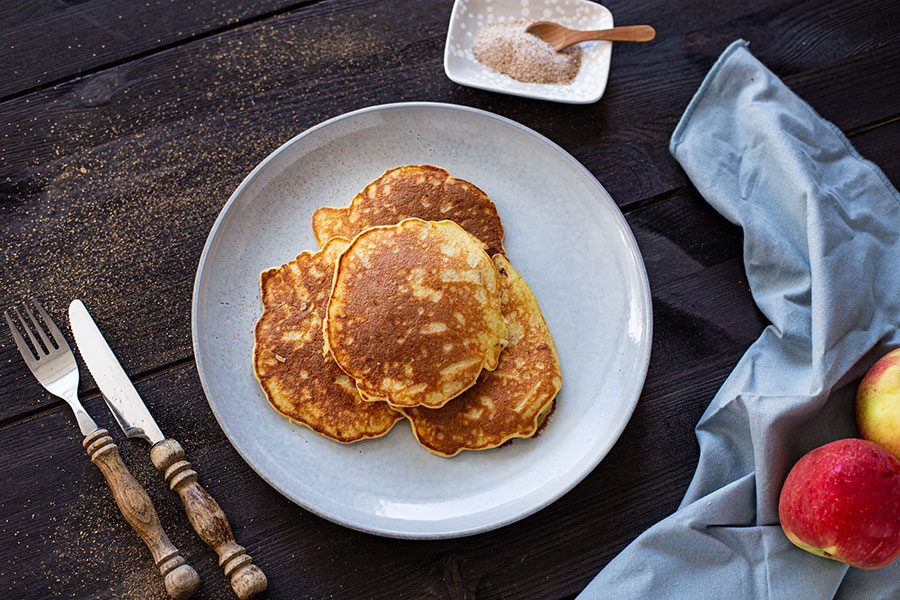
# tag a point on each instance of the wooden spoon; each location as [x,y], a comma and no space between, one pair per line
[561,37]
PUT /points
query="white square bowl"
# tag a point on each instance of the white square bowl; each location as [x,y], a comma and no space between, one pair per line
[469,16]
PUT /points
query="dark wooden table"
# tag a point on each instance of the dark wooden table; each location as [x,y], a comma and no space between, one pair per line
[124,126]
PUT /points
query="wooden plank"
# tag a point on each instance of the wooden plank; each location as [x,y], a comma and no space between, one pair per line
[273,63]
[75,534]
[53,40]
[880,146]
[68,540]
[108,184]
[63,527]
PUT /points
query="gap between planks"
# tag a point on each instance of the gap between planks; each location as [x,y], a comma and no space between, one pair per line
[159,49]
[873,125]
[92,392]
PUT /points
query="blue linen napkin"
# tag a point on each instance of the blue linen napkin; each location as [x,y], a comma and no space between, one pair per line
[822,255]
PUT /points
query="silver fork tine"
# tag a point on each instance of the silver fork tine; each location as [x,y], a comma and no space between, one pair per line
[40,330]
[21,344]
[38,351]
[58,337]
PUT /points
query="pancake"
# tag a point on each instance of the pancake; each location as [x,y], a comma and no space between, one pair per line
[415,313]
[511,401]
[298,380]
[421,191]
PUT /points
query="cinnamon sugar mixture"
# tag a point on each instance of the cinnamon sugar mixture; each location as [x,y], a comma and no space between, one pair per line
[505,47]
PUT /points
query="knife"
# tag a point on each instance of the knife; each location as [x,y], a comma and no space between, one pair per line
[167,455]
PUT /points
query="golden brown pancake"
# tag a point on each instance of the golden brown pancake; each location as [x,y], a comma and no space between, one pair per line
[415,313]
[421,191]
[298,380]
[510,401]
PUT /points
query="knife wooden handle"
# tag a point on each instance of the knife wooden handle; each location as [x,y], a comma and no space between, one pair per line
[134,503]
[208,519]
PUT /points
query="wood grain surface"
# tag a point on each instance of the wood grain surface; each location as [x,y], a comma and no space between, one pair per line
[54,40]
[116,155]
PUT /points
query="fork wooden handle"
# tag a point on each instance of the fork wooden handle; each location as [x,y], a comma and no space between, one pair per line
[208,519]
[134,503]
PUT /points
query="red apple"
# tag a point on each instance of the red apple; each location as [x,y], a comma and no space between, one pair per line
[842,501]
[878,403]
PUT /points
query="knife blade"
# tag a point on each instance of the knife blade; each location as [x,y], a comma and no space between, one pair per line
[204,513]
[123,400]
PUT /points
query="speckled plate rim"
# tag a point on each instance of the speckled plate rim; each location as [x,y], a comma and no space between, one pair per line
[575,475]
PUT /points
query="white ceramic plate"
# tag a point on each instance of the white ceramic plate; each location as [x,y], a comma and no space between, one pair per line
[563,232]
[468,16]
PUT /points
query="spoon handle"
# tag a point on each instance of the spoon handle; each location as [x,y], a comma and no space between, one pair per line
[629,33]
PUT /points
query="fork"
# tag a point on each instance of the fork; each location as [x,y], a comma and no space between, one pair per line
[52,363]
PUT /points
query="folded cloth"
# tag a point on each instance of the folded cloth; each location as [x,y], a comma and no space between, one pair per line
[822,255]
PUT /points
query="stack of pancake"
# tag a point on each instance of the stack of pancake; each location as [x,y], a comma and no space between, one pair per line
[410,308]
